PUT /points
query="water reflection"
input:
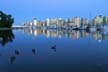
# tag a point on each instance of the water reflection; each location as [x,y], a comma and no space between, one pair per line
[12,59]
[66,54]
[17,53]
[6,36]
[97,35]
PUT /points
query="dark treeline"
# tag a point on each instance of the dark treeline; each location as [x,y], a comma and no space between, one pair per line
[6,21]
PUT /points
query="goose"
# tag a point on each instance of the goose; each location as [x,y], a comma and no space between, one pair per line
[17,52]
[33,50]
[53,47]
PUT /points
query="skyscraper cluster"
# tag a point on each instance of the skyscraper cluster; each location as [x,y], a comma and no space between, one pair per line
[75,22]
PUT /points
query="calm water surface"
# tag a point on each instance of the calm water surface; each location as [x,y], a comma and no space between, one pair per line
[29,50]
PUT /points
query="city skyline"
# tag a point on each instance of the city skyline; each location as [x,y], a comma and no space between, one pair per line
[98,21]
[53,36]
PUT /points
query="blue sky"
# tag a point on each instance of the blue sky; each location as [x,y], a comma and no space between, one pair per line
[23,10]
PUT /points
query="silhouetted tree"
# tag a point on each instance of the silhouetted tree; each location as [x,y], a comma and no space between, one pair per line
[6,21]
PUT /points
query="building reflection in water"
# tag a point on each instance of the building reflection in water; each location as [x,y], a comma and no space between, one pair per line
[6,36]
[98,35]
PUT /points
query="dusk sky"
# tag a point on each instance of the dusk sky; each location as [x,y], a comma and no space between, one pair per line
[23,10]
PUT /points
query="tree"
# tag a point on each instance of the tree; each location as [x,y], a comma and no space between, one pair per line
[6,21]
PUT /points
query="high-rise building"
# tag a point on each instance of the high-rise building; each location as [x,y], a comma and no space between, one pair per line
[98,20]
[77,21]
[59,22]
[70,22]
[105,19]
[48,22]
[84,22]
[35,22]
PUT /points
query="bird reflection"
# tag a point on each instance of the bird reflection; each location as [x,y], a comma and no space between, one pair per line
[34,51]
[17,52]
[54,48]
[12,59]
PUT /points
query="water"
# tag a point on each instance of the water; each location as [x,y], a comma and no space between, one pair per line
[27,50]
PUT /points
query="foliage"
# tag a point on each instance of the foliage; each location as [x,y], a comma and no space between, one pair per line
[6,21]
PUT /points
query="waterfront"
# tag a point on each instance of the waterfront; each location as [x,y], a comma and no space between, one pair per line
[26,50]
[99,22]
[53,36]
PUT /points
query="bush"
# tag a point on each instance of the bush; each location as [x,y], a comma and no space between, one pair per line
[6,21]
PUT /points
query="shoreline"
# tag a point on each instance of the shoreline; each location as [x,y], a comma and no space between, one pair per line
[14,27]
[46,28]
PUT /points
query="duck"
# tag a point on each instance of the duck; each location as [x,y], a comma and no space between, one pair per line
[17,52]
[53,47]
[33,50]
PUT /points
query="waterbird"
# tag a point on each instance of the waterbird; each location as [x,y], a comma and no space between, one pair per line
[54,47]
[34,51]
[17,52]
